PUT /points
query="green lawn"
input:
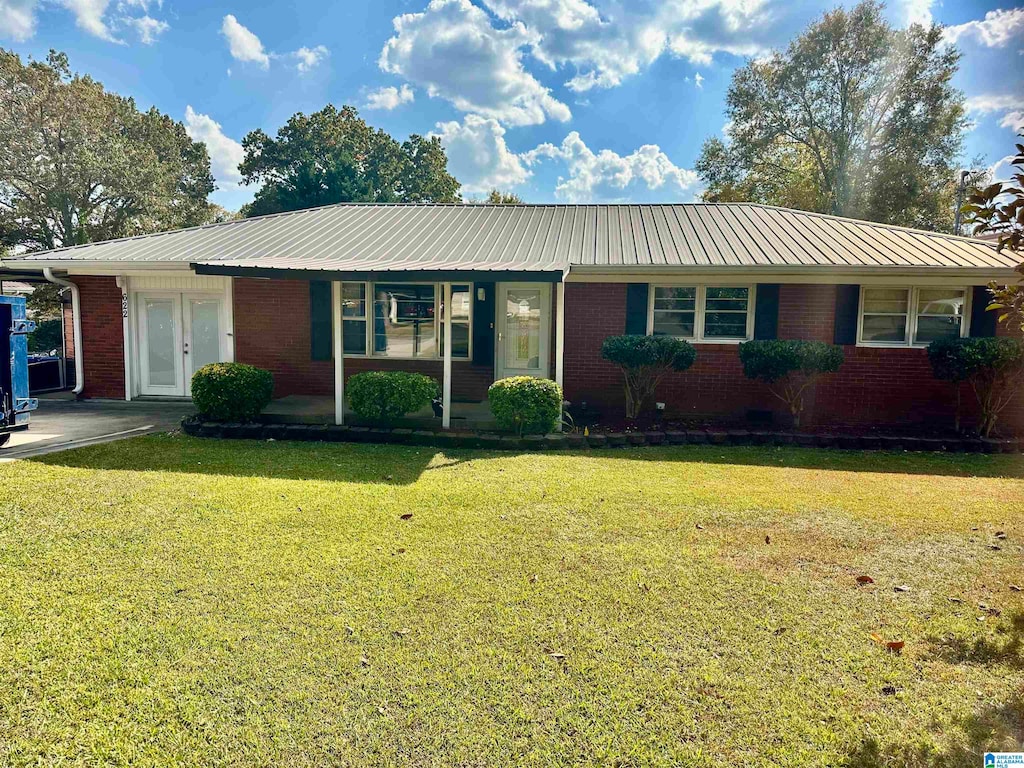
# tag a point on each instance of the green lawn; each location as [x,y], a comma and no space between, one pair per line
[168,600]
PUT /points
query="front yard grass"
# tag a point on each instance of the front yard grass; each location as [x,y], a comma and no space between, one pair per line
[168,600]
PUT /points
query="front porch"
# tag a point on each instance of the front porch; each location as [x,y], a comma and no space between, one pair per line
[314,409]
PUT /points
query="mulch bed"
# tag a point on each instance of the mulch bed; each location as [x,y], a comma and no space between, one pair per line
[597,438]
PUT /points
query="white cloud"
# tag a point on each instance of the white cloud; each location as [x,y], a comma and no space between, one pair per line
[914,12]
[225,152]
[698,80]
[310,57]
[454,52]
[149,29]
[606,175]
[997,29]
[390,97]
[243,44]
[17,19]
[1010,105]
[478,155]
[605,49]
[89,16]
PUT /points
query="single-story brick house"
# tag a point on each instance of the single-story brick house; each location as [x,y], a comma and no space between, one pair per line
[318,295]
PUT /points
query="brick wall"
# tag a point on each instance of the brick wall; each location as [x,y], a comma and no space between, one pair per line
[875,387]
[102,337]
[272,331]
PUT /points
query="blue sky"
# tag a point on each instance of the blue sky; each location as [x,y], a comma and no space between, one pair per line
[557,100]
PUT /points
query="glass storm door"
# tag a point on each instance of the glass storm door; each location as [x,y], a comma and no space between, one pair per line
[161,363]
[178,335]
[201,315]
[523,322]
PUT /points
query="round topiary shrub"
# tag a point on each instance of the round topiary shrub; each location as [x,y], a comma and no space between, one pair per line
[383,396]
[789,367]
[993,366]
[525,405]
[231,391]
[645,361]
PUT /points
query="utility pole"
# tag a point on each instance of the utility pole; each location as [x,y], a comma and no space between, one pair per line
[961,188]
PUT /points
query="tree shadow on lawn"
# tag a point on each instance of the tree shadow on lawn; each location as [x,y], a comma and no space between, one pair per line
[1007,650]
[283,460]
[993,728]
[404,464]
[887,462]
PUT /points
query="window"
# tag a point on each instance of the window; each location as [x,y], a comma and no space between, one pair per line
[911,316]
[353,314]
[725,313]
[403,320]
[462,307]
[702,313]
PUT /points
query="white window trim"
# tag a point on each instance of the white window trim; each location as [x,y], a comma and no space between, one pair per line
[698,317]
[367,319]
[911,323]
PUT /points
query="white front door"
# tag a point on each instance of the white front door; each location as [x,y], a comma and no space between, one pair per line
[179,333]
[523,324]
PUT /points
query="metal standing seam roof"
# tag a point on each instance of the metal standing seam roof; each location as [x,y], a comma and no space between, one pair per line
[540,238]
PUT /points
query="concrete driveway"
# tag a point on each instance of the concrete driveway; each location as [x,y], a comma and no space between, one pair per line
[61,423]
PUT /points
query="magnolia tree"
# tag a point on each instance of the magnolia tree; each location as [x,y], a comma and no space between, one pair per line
[645,361]
[790,368]
[993,367]
[999,209]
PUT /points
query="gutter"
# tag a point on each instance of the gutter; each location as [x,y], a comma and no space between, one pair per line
[76,322]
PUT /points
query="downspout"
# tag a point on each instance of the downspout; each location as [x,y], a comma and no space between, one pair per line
[76,323]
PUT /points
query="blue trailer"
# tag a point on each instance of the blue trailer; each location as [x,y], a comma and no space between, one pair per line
[15,403]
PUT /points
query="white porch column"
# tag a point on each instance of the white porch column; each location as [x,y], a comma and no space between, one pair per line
[339,356]
[560,337]
[446,385]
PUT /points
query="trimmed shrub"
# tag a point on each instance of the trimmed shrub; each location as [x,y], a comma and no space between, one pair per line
[383,396]
[645,361]
[789,367]
[525,405]
[231,391]
[993,366]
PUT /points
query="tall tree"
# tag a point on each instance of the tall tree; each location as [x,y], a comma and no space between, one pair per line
[854,118]
[497,197]
[333,156]
[79,164]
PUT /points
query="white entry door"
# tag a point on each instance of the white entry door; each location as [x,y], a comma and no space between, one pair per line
[179,333]
[523,323]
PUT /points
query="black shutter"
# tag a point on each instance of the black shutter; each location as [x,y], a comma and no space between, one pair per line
[983,323]
[636,309]
[766,311]
[847,307]
[320,320]
[483,324]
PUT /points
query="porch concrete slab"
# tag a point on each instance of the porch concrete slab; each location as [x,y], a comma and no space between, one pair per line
[319,409]
[61,423]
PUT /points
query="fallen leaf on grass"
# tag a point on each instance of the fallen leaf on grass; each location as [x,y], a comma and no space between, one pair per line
[901,588]
[700,527]
[895,647]
[364,661]
[779,631]
[401,632]
[876,637]
[1000,534]
[1015,588]
[406,516]
[533,579]
[994,547]
[955,600]
[865,580]
[767,539]
[350,630]
[889,690]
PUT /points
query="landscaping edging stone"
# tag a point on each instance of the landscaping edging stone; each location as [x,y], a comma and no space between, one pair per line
[196,427]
